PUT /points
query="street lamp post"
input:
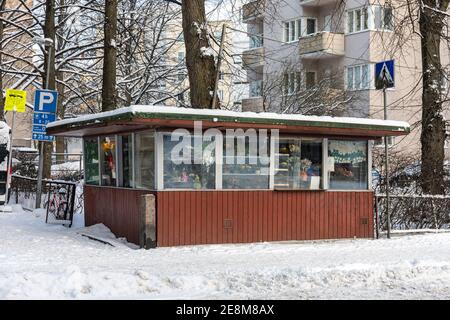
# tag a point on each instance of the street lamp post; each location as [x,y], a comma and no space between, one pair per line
[48,43]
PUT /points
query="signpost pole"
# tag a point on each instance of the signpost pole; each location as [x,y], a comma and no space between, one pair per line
[41,143]
[386,164]
[9,171]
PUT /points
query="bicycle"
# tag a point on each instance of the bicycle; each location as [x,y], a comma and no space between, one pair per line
[59,205]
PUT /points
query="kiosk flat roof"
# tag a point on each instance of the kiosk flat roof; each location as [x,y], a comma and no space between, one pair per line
[141,117]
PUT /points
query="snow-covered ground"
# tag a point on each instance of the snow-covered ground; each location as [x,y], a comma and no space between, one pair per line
[48,261]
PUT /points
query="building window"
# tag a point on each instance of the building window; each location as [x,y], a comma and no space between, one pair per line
[299,28]
[246,163]
[384,19]
[144,160]
[108,161]
[291,83]
[370,18]
[256,41]
[298,164]
[181,167]
[181,56]
[347,165]
[310,79]
[256,88]
[380,142]
[357,20]
[91,161]
[126,163]
[311,26]
[359,77]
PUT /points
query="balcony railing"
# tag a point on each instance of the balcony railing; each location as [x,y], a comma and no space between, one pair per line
[322,45]
[253,58]
[255,104]
[253,9]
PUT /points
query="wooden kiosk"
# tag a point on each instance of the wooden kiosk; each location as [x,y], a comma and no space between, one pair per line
[195,176]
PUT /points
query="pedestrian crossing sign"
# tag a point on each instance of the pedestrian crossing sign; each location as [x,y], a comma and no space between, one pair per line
[384,75]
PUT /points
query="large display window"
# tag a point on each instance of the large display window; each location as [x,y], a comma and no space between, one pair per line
[91,161]
[246,163]
[109,161]
[348,165]
[189,162]
[298,164]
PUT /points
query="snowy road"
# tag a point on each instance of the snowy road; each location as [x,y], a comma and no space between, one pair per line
[42,261]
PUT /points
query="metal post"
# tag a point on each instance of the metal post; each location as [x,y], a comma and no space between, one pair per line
[386,164]
[9,171]
[41,149]
[219,64]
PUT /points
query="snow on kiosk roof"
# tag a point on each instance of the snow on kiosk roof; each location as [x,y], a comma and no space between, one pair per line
[139,117]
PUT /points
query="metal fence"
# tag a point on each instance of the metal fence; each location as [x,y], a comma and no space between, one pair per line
[413,212]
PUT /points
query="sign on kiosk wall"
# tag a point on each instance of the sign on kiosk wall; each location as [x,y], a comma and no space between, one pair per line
[45,103]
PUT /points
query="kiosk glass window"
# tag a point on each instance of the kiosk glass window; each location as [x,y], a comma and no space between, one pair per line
[348,165]
[145,160]
[92,175]
[246,163]
[127,161]
[108,164]
[298,164]
[189,162]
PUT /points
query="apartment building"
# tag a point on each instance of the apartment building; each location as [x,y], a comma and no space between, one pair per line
[297,45]
[22,125]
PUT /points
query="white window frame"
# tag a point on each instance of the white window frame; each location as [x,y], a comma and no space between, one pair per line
[352,68]
[324,173]
[371,16]
[300,28]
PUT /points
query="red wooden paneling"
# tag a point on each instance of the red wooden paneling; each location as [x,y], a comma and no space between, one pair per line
[118,209]
[197,217]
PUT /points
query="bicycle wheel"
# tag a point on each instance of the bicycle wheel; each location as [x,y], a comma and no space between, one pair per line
[62,211]
[52,208]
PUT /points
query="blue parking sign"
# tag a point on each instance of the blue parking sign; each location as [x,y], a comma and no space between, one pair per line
[45,101]
[45,104]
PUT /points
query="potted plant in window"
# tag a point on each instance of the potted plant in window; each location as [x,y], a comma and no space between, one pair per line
[305,165]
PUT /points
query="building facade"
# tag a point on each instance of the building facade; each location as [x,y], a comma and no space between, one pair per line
[297,47]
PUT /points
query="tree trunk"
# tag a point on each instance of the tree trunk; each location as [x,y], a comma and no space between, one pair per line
[199,58]
[433,123]
[109,93]
[49,32]
[2,99]
[60,147]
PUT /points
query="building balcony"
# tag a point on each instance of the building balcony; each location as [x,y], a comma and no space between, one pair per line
[253,10]
[253,58]
[253,104]
[322,45]
[316,3]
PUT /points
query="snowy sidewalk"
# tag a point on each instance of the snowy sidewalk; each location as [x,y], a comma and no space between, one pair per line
[44,261]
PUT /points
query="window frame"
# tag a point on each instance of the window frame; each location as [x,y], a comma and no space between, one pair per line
[300,28]
[219,144]
[324,169]
[370,78]
[369,149]
[368,16]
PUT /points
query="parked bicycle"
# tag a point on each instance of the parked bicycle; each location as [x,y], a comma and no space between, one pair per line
[58,204]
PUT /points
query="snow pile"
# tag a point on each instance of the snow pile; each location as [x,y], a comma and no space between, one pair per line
[47,261]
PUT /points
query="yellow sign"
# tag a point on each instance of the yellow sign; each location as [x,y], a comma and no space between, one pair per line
[15,100]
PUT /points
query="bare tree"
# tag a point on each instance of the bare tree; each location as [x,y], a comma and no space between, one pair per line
[109,92]
[199,55]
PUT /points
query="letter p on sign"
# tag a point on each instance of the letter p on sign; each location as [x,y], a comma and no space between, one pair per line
[45,101]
